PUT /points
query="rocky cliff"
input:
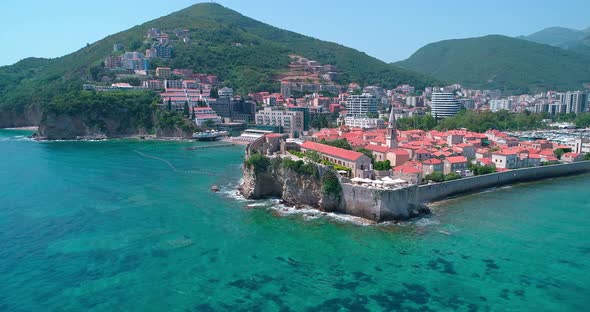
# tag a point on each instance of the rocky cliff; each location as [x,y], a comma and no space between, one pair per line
[29,117]
[294,186]
[62,126]
[67,127]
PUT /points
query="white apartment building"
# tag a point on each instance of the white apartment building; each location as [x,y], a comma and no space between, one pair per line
[291,121]
[365,123]
[498,105]
[361,105]
[444,104]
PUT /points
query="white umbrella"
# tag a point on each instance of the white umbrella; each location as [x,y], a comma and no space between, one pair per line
[400,181]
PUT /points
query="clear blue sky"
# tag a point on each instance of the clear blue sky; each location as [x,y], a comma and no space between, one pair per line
[390,30]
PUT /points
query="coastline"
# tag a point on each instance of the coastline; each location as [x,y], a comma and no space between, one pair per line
[30,128]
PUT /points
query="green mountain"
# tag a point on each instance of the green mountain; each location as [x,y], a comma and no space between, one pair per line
[252,65]
[499,62]
[561,37]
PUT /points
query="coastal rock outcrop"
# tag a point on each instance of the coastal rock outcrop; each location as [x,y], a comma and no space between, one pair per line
[68,127]
[299,183]
[29,117]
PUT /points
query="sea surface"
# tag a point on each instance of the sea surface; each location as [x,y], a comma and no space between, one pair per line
[131,225]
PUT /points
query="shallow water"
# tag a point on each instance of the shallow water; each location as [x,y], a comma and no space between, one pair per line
[96,226]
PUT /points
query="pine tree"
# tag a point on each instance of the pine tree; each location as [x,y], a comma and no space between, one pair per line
[169,104]
[186,110]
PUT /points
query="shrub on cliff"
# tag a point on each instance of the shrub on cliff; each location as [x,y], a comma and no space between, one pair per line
[169,119]
[331,184]
[300,166]
[260,162]
[133,108]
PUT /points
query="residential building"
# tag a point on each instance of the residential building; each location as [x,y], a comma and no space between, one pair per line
[432,165]
[225,93]
[112,62]
[398,156]
[163,72]
[505,160]
[497,105]
[444,104]
[203,114]
[360,105]
[161,50]
[580,145]
[575,102]
[291,121]
[572,157]
[173,84]
[455,164]
[379,152]
[467,103]
[153,84]
[364,122]
[286,89]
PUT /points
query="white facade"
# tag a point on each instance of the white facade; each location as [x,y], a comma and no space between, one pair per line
[444,104]
[365,123]
[361,105]
[291,121]
[575,102]
[202,114]
[498,105]
[225,92]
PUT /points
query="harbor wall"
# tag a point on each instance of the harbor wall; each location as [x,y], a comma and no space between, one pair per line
[379,204]
[438,191]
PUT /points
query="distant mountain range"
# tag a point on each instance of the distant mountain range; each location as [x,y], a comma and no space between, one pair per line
[499,62]
[561,37]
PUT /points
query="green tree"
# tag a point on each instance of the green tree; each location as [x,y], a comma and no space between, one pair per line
[169,104]
[382,165]
[560,151]
[341,143]
[367,152]
[452,176]
[209,123]
[435,177]
[186,109]
[213,93]
[260,162]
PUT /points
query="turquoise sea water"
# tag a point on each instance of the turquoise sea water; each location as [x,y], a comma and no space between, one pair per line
[101,226]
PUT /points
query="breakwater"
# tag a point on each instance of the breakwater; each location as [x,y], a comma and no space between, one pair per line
[439,191]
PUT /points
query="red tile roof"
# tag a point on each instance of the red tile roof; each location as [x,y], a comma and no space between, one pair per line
[377,148]
[432,161]
[332,151]
[399,151]
[456,159]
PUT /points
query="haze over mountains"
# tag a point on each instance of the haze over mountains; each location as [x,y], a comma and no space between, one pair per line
[499,62]
[565,38]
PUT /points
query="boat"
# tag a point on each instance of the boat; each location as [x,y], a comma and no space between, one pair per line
[209,135]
